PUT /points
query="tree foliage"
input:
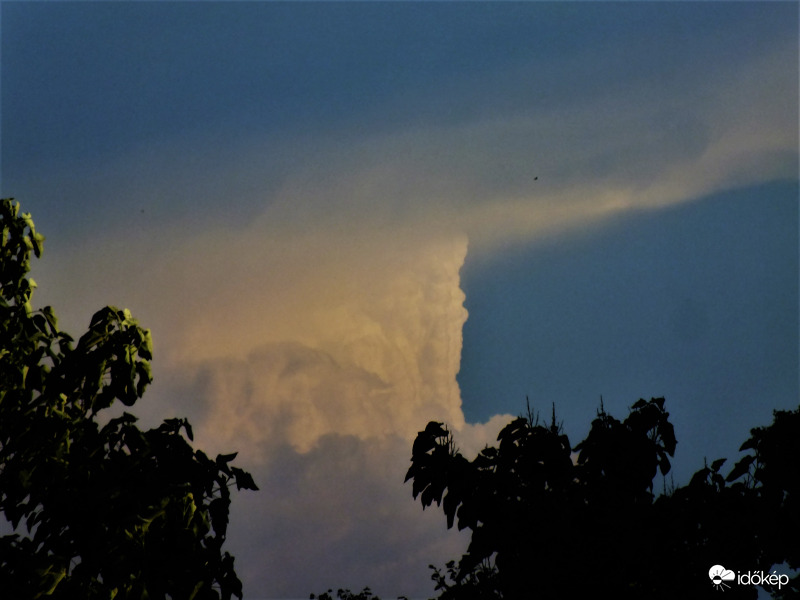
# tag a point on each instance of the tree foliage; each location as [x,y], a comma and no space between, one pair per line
[98,510]
[345,594]
[551,520]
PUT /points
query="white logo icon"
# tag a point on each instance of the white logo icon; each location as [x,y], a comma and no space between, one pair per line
[719,575]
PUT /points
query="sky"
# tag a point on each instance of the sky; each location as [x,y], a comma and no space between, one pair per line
[343,220]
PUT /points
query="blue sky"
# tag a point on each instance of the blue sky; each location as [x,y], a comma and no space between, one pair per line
[341,220]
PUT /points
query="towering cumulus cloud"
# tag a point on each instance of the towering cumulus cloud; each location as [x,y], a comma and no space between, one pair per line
[317,351]
[351,333]
[315,340]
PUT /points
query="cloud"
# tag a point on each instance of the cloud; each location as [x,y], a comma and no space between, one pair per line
[317,354]
[338,516]
[317,351]
[316,347]
[296,334]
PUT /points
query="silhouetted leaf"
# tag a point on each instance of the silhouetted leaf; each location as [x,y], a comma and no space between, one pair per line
[243,479]
[715,466]
[741,467]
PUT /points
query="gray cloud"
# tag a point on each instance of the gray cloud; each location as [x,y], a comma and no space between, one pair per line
[338,515]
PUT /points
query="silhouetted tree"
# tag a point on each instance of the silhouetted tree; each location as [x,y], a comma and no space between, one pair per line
[563,522]
[98,510]
[344,594]
[480,583]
